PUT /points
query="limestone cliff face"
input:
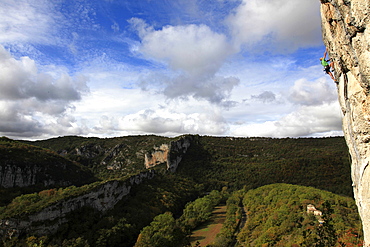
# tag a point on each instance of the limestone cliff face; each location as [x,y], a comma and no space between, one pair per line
[346,34]
[16,176]
[170,154]
[47,221]
[157,157]
[55,173]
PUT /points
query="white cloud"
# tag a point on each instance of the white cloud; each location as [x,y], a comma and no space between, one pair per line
[195,53]
[189,48]
[306,92]
[174,79]
[21,80]
[169,122]
[131,111]
[28,97]
[24,21]
[313,109]
[284,25]
[306,121]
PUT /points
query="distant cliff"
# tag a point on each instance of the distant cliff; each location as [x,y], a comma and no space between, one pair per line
[346,34]
[47,221]
[23,165]
[116,157]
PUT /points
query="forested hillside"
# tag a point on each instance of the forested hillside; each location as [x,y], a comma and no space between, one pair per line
[224,161]
[322,163]
[26,168]
[278,216]
[210,163]
[106,157]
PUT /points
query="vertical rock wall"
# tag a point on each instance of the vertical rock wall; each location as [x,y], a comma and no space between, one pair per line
[159,156]
[170,154]
[48,220]
[346,34]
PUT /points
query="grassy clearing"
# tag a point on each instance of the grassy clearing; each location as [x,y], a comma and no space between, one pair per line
[206,233]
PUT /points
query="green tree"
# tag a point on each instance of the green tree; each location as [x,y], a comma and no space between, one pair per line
[200,210]
[121,232]
[326,232]
[163,231]
[76,242]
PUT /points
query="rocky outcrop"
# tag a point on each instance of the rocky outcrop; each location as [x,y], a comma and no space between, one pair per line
[114,159]
[177,151]
[48,220]
[159,156]
[24,165]
[49,172]
[39,166]
[346,34]
[169,154]
[15,176]
[121,155]
[88,151]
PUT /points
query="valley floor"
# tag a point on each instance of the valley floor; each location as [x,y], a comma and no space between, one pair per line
[206,233]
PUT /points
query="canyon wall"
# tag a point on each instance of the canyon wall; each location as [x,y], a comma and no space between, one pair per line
[346,34]
[170,154]
[101,198]
[48,173]
[48,220]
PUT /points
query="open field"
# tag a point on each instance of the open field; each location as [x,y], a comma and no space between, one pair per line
[207,232]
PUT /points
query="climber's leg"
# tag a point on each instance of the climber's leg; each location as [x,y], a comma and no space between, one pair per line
[332,66]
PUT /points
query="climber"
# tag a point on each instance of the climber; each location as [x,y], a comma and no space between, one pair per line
[328,66]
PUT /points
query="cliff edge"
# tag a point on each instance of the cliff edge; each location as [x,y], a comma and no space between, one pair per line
[346,34]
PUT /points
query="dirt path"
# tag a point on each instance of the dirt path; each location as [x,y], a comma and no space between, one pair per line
[206,233]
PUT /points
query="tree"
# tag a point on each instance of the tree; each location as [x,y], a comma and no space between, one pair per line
[78,242]
[163,231]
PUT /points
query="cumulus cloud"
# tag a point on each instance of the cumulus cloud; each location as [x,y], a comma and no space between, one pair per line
[310,119]
[312,109]
[21,80]
[188,73]
[305,121]
[195,53]
[28,97]
[195,49]
[306,92]
[165,121]
[214,89]
[282,24]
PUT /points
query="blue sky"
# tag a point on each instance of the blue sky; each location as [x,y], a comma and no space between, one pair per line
[116,67]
